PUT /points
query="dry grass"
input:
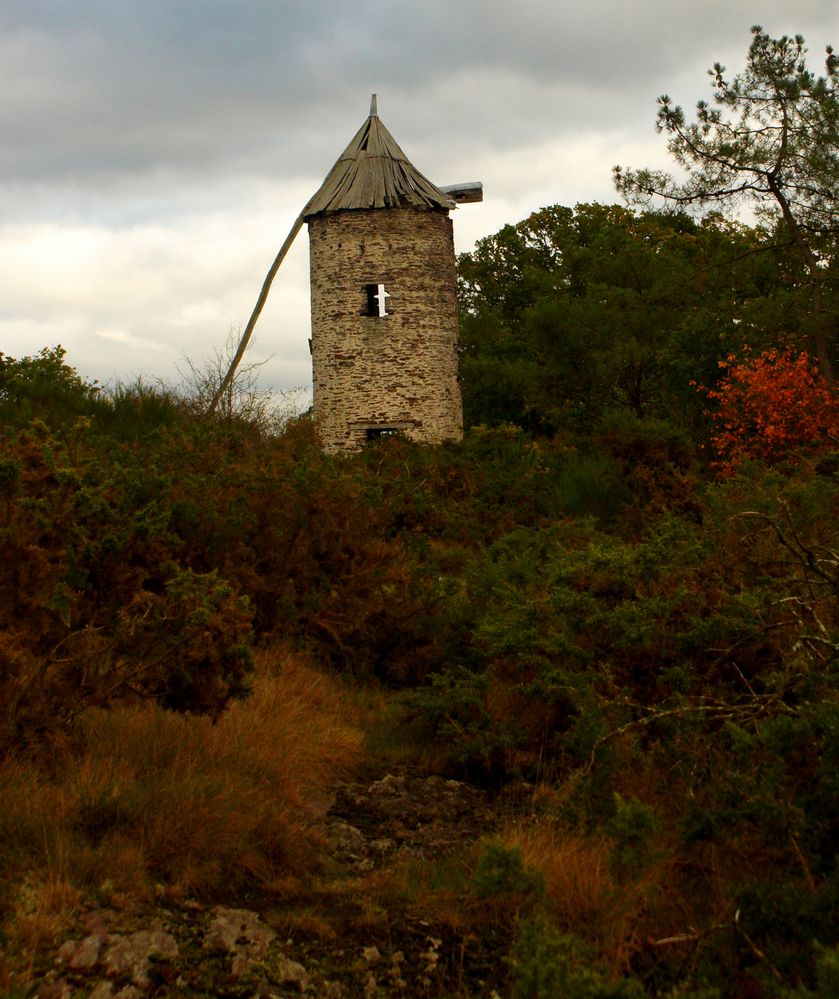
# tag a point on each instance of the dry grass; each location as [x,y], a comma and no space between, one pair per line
[309,924]
[43,909]
[575,869]
[585,896]
[156,798]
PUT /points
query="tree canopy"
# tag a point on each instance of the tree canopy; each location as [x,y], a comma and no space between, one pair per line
[771,140]
[574,312]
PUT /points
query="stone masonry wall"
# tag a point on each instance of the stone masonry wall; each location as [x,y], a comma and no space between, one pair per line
[393,372]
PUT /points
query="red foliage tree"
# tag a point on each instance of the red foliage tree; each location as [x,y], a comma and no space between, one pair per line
[769,405]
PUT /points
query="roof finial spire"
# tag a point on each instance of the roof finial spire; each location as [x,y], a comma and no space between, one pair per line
[374,113]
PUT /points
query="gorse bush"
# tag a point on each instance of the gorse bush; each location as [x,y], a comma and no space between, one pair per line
[94,603]
[689,676]
[547,963]
[43,387]
[631,827]
[590,486]
[500,873]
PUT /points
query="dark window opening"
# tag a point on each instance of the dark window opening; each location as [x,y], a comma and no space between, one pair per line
[377,433]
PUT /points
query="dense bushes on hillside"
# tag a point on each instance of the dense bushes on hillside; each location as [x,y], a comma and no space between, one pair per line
[583,621]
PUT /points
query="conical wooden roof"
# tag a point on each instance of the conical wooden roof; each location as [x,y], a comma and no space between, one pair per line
[373,172]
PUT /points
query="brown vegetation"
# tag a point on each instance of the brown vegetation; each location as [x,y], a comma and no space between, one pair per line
[146,799]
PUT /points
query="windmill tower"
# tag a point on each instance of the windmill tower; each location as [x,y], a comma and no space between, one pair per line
[384,307]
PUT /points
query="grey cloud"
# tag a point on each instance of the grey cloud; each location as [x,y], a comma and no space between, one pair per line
[92,89]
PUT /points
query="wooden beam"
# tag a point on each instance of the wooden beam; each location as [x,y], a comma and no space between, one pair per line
[257,309]
[468,192]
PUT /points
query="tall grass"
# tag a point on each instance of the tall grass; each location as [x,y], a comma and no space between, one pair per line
[151,798]
[131,412]
[611,910]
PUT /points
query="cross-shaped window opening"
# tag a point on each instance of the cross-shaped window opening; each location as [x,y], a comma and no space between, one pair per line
[377,300]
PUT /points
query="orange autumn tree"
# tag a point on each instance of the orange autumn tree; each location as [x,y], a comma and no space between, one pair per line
[770,404]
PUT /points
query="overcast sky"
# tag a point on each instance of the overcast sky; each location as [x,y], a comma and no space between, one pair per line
[155,153]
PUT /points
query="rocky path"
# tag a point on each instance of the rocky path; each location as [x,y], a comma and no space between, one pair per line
[357,932]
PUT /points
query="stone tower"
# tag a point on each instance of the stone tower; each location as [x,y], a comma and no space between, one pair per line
[384,308]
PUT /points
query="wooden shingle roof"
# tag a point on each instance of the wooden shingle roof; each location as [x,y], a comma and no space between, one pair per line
[373,172]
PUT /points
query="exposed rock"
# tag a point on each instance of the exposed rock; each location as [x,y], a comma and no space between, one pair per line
[100,922]
[105,990]
[54,990]
[405,816]
[291,973]
[371,986]
[371,955]
[233,929]
[390,786]
[381,847]
[344,839]
[118,954]
[132,954]
[81,954]
[240,933]
[339,951]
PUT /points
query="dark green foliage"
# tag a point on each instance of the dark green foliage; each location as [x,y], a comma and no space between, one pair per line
[591,486]
[501,874]
[827,974]
[788,917]
[588,658]
[574,313]
[548,964]
[43,387]
[656,464]
[133,412]
[93,602]
[631,828]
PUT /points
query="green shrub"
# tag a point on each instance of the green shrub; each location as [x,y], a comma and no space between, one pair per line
[95,605]
[631,828]
[548,964]
[590,486]
[655,464]
[43,387]
[500,871]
